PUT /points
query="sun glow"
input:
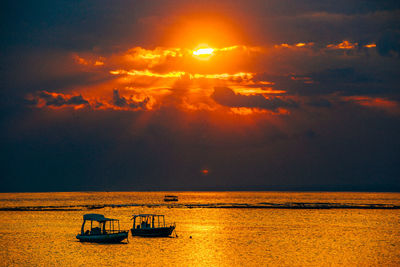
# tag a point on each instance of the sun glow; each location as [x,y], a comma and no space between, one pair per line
[203,53]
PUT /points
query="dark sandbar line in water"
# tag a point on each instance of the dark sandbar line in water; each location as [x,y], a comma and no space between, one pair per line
[263,205]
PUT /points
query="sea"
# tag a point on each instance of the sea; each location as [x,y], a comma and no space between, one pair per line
[212,229]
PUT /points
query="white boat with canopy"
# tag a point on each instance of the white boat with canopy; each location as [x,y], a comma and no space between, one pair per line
[102,230]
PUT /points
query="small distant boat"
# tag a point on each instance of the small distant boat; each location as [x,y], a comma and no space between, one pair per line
[170,198]
[151,225]
[102,230]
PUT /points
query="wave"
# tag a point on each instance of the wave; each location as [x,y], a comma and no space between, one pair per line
[262,205]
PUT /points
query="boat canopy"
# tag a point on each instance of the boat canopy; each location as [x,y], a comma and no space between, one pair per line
[97,217]
[147,215]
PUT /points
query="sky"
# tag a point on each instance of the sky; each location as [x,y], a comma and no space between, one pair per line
[200,95]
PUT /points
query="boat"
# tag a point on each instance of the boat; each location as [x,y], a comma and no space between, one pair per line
[102,230]
[151,225]
[170,198]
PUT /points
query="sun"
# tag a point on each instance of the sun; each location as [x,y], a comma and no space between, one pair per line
[203,52]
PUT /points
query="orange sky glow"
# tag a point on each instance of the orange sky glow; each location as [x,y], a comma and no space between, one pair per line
[210,56]
[187,95]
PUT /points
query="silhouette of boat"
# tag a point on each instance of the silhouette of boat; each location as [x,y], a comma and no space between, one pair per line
[151,225]
[102,230]
[170,198]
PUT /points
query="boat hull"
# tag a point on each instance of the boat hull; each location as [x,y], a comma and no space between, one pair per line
[153,232]
[107,238]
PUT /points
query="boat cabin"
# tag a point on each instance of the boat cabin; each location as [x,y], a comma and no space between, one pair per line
[99,225]
[142,221]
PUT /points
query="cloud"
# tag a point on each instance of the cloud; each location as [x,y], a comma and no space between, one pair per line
[343,45]
[59,100]
[150,75]
[124,102]
[387,105]
[227,97]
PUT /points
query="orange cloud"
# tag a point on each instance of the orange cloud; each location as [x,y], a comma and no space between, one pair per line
[294,46]
[174,74]
[80,60]
[343,45]
[90,60]
[246,111]
[179,74]
[251,111]
[376,102]
[256,90]
[370,45]
[306,80]
[149,58]
[148,79]
[98,63]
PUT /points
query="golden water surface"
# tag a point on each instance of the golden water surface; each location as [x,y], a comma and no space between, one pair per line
[206,236]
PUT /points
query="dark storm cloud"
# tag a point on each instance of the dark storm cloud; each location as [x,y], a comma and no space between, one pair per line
[227,97]
[58,100]
[122,102]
